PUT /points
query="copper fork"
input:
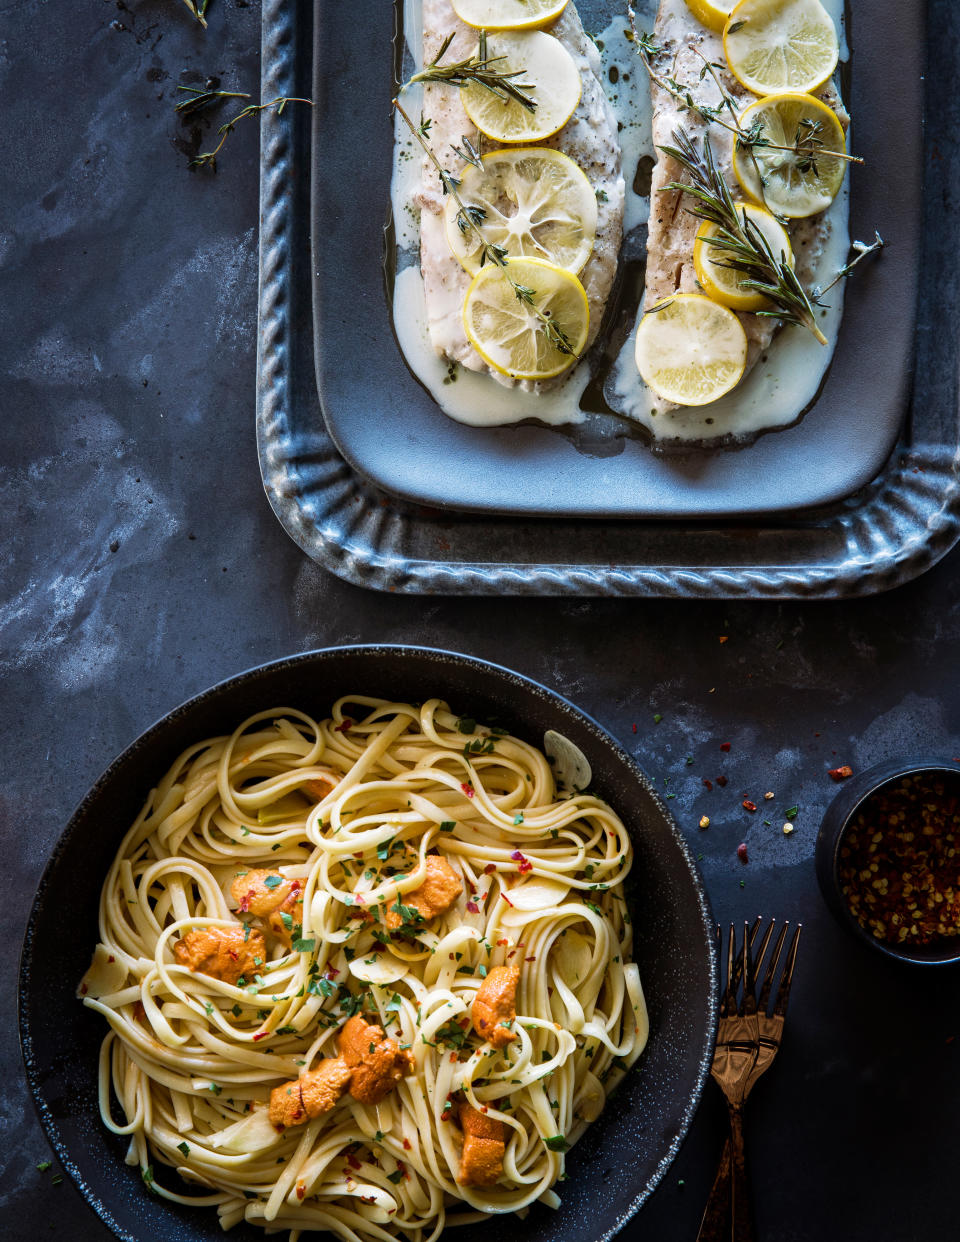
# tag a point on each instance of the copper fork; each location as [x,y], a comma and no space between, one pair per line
[748,1038]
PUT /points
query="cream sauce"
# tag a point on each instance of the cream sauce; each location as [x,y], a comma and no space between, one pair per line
[774,394]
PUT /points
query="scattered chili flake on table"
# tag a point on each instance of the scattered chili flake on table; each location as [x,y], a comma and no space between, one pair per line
[748,805]
[841,773]
[742,852]
[899,867]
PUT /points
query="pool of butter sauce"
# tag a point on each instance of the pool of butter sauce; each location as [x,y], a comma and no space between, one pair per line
[774,394]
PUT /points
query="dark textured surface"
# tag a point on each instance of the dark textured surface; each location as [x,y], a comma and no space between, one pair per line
[127,355]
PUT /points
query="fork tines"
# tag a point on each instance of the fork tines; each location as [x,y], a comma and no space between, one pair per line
[743,967]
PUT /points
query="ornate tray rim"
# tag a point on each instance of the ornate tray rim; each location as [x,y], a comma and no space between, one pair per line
[890,532]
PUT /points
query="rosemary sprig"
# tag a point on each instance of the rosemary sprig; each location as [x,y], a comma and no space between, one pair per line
[746,249]
[480,68]
[199,9]
[470,220]
[203,98]
[208,159]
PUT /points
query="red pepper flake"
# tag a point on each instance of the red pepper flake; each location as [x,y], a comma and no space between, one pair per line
[83,990]
[722,781]
[841,773]
[406,1144]
[473,907]
[502,942]
[724,638]
[724,745]
[332,972]
[467,789]
[233,954]
[708,784]
[634,728]
[344,725]
[530,959]
[748,805]
[260,1035]
[490,868]
[353,1162]
[742,852]
[525,863]
[245,902]
[403,1169]
[111,958]
[301,1190]
[509,903]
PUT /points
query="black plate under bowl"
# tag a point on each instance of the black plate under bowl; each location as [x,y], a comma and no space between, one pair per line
[621,1158]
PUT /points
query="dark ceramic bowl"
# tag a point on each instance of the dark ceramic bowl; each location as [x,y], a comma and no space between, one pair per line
[613,1168]
[839,815]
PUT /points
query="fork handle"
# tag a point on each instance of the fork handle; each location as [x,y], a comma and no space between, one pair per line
[715,1226]
[742,1216]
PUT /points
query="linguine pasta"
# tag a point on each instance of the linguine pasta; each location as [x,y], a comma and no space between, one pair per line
[350,808]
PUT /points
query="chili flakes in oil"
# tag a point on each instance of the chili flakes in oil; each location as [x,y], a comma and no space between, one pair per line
[899,866]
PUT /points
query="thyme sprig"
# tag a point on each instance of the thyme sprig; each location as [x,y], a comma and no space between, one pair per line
[208,159]
[745,248]
[861,250]
[199,10]
[470,220]
[480,68]
[203,98]
[807,145]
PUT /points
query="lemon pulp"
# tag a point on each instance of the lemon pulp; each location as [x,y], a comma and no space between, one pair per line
[780,45]
[723,283]
[505,330]
[508,14]
[690,350]
[712,13]
[547,74]
[800,181]
[535,202]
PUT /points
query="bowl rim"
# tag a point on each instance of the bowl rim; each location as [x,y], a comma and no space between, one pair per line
[834,826]
[401,651]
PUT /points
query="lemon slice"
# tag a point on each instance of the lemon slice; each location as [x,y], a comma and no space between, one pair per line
[721,282]
[800,181]
[547,74]
[712,13]
[508,14]
[503,328]
[692,351]
[780,45]
[536,203]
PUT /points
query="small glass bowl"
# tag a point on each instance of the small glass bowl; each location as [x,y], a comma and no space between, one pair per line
[840,814]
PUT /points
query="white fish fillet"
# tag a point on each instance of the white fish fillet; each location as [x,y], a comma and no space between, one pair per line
[589,137]
[685,43]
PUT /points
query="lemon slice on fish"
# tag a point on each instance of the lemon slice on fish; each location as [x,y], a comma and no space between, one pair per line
[721,282]
[508,14]
[690,350]
[546,74]
[533,201]
[712,13]
[505,330]
[801,180]
[780,45]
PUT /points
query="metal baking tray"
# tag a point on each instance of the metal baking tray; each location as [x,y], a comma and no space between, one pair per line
[889,531]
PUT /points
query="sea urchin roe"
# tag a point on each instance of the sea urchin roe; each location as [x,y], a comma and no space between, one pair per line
[899,866]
